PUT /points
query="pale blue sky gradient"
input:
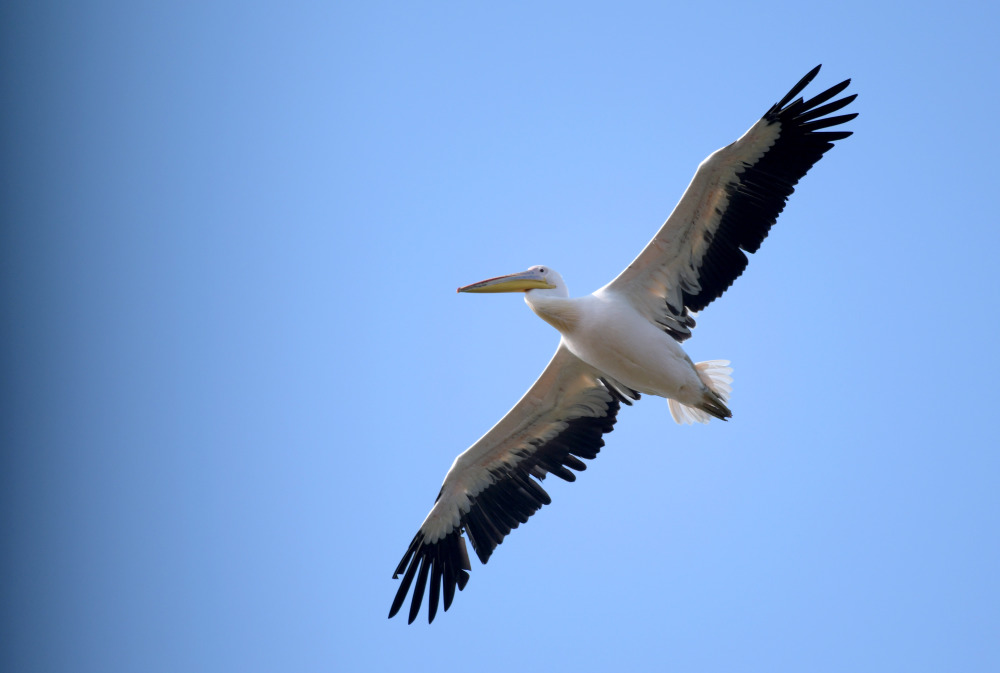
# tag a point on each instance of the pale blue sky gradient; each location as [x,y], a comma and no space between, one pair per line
[236,369]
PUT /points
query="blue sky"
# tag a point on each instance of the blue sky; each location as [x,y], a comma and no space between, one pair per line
[237,370]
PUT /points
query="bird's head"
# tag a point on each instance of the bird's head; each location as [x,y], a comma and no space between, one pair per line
[540,279]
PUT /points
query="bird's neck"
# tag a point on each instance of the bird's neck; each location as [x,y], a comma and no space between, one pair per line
[560,312]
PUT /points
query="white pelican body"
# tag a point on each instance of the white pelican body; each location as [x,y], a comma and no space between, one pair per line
[605,331]
[619,342]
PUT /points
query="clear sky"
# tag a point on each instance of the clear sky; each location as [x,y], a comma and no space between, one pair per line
[236,369]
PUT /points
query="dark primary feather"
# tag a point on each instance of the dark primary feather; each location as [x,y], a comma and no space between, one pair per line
[446,560]
[512,497]
[760,192]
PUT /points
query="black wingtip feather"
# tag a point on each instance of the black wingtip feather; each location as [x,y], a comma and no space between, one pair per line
[822,110]
[435,592]
[418,588]
[444,563]
[828,122]
[831,136]
[797,89]
[499,508]
[760,192]
[824,96]
[404,586]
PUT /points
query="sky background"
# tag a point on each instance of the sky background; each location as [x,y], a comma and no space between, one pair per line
[236,370]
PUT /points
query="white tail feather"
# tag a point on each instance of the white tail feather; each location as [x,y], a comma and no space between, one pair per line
[716,375]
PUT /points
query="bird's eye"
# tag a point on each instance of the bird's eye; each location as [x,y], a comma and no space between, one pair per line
[541,270]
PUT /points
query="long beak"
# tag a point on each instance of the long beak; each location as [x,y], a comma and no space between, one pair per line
[515,282]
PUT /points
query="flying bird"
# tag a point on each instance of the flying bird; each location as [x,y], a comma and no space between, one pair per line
[618,343]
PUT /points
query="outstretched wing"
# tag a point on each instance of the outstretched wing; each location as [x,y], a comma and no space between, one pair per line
[728,209]
[491,488]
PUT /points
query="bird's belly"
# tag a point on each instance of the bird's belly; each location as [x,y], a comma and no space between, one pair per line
[637,354]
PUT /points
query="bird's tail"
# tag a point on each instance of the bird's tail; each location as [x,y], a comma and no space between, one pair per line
[716,375]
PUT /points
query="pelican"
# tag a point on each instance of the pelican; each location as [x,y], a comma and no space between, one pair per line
[618,343]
